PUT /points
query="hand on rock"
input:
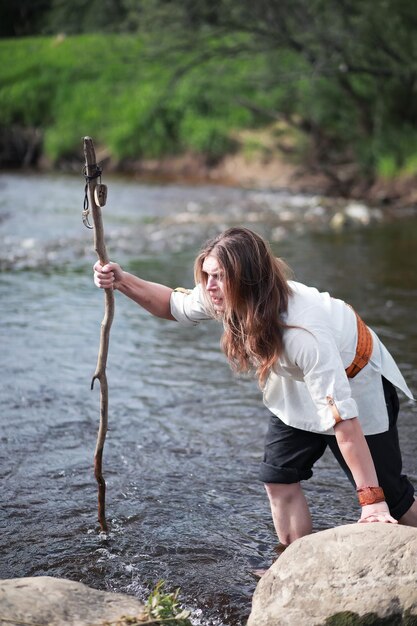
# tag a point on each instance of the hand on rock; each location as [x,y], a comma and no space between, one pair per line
[376,513]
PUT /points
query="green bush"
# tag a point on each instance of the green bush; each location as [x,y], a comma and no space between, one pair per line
[103,86]
[138,101]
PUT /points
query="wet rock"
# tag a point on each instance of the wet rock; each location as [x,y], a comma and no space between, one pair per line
[316,213]
[354,214]
[339,221]
[47,601]
[358,212]
[357,570]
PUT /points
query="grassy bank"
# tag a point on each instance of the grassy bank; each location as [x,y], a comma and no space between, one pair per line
[109,88]
[137,105]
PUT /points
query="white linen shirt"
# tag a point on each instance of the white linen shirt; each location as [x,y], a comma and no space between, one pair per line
[309,379]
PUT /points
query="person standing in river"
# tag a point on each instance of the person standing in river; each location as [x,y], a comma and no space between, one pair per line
[326,378]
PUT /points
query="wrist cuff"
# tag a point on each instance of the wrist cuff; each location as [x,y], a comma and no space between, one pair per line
[370,495]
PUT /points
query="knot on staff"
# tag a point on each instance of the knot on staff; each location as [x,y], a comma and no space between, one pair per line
[94,171]
[95,197]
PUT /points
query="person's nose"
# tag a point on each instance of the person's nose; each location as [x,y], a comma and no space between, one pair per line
[211,283]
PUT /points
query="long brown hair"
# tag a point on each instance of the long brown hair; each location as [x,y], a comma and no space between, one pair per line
[256,296]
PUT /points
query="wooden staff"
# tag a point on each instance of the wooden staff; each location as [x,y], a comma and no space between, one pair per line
[97,194]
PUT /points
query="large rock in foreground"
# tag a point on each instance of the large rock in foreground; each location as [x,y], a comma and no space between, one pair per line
[363,569]
[47,601]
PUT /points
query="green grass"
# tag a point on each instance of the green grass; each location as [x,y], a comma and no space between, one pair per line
[105,87]
[136,106]
[162,608]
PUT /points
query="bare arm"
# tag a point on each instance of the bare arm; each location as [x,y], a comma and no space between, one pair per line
[355,451]
[153,297]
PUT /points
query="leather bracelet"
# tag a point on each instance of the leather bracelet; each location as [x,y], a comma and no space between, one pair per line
[370,495]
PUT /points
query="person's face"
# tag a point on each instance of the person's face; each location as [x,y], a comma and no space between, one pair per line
[215,282]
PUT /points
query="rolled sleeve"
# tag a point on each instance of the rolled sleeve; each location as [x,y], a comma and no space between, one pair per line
[188,307]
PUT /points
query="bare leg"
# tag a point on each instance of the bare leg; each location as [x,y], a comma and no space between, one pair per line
[290,511]
[410,518]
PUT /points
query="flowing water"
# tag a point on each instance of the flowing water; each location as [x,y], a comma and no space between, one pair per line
[185,437]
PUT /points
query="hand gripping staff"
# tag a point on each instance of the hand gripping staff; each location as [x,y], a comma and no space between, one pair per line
[95,196]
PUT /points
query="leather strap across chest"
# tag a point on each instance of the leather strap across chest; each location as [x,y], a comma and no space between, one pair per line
[363,349]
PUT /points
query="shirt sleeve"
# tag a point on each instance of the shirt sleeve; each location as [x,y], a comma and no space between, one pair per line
[315,353]
[188,306]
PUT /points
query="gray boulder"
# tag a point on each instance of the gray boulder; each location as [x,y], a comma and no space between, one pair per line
[47,601]
[347,572]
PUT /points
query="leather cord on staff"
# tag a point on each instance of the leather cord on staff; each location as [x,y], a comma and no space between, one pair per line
[89,177]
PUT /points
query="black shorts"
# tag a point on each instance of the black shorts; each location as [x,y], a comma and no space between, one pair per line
[290,454]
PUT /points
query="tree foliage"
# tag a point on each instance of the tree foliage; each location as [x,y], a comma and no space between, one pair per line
[341,72]
[344,71]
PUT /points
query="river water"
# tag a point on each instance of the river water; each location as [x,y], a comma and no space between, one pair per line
[185,436]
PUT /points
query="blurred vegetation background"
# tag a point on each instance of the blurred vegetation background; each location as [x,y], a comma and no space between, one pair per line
[331,84]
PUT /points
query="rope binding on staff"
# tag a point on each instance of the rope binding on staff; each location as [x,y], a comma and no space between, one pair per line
[88,178]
